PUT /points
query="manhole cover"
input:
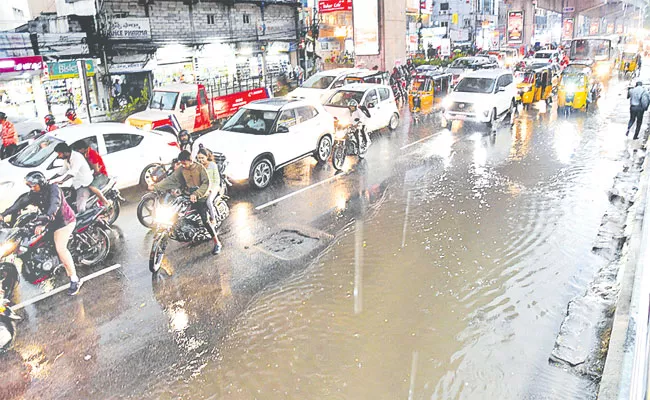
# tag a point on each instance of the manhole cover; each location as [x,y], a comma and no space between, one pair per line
[288,244]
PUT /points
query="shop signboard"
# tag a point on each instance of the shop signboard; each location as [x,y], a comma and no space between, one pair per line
[228,105]
[365,15]
[328,6]
[610,28]
[128,68]
[129,29]
[515,27]
[594,27]
[567,28]
[15,45]
[62,44]
[68,69]
[24,64]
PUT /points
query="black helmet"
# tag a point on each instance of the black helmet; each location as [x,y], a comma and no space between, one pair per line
[3,116]
[70,113]
[181,137]
[35,178]
[49,119]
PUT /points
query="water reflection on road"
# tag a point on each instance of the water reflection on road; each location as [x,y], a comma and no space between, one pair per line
[454,287]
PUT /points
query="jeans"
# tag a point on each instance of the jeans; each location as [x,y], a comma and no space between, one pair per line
[203,209]
[8,151]
[636,114]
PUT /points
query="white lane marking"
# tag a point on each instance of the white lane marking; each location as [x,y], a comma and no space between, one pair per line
[62,288]
[270,203]
[419,141]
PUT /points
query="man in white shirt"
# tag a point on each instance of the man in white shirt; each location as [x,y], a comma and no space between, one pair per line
[257,123]
[76,168]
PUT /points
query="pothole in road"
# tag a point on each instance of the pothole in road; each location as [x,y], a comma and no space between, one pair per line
[289,244]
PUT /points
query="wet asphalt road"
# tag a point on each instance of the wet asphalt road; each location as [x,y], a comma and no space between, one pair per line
[440,267]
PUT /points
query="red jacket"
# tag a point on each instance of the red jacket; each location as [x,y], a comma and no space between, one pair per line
[9,135]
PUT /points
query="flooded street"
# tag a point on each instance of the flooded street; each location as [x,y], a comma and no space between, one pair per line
[451,282]
[440,267]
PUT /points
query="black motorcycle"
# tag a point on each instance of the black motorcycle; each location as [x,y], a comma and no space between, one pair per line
[145,211]
[89,245]
[176,218]
[110,191]
[350,141]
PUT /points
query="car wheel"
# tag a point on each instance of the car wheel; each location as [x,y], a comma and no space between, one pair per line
[261,173]
[145,176]
[394,122]
[324,149]
[513,112]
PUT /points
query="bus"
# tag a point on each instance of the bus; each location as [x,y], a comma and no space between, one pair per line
[600,51]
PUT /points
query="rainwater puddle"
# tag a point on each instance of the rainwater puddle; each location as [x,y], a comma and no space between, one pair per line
[455,288]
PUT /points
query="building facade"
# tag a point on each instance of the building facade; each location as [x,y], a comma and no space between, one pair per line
[13,13]
[468,20]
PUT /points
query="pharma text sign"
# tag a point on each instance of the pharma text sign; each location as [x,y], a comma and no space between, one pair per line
[365,14]
[515,32]
[129,29]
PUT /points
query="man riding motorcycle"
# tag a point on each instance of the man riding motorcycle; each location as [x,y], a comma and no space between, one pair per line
[192,178]
[61,219]
[75,167]
[96,163]
[357,113]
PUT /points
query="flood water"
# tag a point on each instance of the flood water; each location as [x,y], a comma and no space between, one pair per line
[450,282]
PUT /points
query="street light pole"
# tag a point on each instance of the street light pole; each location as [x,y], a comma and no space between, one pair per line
[419,26]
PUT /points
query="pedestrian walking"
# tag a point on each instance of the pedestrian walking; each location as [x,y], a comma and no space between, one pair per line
[639,102]
[9,137]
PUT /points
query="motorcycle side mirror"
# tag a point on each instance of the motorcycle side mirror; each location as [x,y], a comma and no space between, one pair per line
[370,105]
[182,107]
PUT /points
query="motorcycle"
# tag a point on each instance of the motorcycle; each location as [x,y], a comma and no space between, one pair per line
[347,143]
[176,218]
[110,191]
[89,245]
[146,206]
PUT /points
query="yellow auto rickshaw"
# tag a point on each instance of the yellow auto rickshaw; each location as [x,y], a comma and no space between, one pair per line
[426,93]
[574,91]
[537,85]
[629,64]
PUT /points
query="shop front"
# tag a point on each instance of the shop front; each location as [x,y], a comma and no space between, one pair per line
[22,96]
[335,45]
[64,87]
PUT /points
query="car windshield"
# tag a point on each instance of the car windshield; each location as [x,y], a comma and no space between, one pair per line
[475,85]
[573,80]
[529,77]
[318,82]
[254,122]
[163,100]
[629,56]
[462,63]
[34,154]
[342,98]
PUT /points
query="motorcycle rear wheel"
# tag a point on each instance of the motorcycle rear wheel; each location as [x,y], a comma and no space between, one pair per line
[8,279]
[157,254]
[338,156]
[100,248]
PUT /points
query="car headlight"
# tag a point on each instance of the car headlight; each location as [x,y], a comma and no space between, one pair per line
[165,215]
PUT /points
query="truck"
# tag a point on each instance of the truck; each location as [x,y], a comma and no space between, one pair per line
[190,107]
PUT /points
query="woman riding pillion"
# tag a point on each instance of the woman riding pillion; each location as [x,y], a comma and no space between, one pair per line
[192,178]
[61,219]
[206,159]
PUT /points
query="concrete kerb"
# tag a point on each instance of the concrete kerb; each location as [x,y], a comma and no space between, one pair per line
[617,378]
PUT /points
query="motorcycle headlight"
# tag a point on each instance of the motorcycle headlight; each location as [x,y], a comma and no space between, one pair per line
[165,215]
[341,133]
[602,70]
[7,248]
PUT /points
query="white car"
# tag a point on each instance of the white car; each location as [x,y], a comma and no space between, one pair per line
[549,56]
[482,96]
[321,85]
[266,135]
[128,153]
[379,100]
[461,66]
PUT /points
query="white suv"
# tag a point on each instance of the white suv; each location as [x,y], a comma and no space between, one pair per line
[267,135]
[379,100]
[482,96]
[321,85]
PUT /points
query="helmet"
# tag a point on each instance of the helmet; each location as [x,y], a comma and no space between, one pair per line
[49,119]
[184,137]
[35,178]
[3,116]
[352,105]
[71,114]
